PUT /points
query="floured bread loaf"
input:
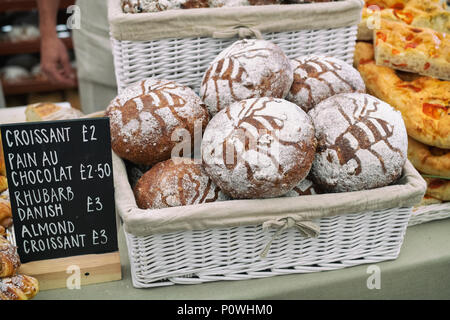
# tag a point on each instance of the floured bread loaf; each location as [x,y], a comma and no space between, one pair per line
[305,188]
[249,68]
[317,78]
[49,111]
[5,212]
[145,117]
[259,148]
[362,143]
[176,182]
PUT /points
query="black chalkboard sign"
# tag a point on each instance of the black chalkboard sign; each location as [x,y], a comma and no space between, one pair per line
[60,179]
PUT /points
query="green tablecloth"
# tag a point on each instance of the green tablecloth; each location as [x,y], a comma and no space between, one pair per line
[422,271]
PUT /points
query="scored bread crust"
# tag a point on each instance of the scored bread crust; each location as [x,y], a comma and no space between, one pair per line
[413,49]
[429,160]
[423,102]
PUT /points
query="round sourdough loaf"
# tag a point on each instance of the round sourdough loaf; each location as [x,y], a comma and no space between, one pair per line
[317,78]
[146,117]
[249,68]
[259,148]
[362,143]
[176,182]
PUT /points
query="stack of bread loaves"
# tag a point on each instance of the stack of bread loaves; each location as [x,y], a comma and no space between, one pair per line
[408,66]
[271,127]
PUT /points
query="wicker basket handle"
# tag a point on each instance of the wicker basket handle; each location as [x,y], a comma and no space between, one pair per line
[307,229]
[240,31]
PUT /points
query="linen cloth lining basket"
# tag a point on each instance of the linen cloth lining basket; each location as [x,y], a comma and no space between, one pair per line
[179,44]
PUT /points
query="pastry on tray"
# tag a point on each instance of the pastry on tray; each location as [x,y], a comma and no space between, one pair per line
[419,50]
[417,13]
[423,102]
[429,160]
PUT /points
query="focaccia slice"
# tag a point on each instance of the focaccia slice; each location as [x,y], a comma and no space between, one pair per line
[429,160]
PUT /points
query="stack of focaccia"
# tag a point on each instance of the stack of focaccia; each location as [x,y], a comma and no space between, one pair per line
[406,62]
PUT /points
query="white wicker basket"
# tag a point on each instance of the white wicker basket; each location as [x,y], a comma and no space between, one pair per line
[430,213]
[194,257]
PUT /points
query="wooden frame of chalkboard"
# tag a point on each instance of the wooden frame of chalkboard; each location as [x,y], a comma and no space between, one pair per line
[62,197]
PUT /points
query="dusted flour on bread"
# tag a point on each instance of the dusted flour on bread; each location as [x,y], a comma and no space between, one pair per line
[259,148]
[176,182]
[145,115]
[249,68]
[317,78]
[362,143]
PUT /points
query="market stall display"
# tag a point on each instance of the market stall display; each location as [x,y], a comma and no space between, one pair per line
[213,231]
[302,164]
